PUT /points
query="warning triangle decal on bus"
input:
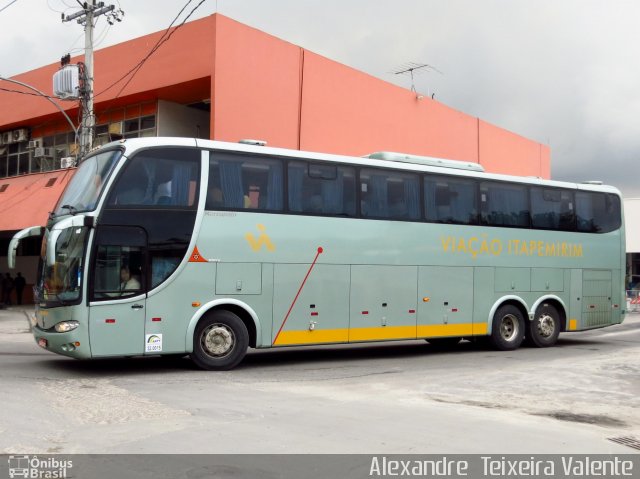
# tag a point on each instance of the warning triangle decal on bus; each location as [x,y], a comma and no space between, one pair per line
[196,257]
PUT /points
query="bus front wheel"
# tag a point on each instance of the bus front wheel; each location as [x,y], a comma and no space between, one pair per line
[220,341]
[507,330]
[543,331]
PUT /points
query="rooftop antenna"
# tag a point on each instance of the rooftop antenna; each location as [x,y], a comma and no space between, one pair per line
[411,67]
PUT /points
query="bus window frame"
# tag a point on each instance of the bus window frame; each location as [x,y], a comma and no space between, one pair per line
[477,180]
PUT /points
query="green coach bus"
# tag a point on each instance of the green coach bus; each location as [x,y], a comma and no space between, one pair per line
[174,246]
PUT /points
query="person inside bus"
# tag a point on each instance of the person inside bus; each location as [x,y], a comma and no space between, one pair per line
[214,198]
[163,194]
[131,188]
[128,282]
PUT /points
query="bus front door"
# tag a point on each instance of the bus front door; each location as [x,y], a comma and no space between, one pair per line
[117,305]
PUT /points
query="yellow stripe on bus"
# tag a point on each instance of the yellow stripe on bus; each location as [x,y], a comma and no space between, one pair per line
[380,333]
[317,336]
[439,330]
[573,324]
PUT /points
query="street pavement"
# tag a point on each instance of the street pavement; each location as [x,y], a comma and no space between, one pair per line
[400,397]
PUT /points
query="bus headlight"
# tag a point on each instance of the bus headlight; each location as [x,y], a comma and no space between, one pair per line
[66,326]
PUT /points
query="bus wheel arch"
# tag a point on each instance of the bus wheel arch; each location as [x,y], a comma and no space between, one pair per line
[507,323]
[244,312]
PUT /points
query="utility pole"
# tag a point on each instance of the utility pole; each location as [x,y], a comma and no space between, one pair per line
[90,11]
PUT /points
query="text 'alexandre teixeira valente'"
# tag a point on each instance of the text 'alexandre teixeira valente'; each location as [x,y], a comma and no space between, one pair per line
[504,467]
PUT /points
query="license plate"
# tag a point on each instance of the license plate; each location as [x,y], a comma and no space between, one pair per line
[42,342]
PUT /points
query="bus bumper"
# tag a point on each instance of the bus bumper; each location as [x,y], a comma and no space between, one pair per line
[74,343]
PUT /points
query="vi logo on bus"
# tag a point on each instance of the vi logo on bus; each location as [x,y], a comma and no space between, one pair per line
[262,240]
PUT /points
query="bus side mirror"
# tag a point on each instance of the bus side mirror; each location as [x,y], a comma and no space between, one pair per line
[51,247]
[15,241]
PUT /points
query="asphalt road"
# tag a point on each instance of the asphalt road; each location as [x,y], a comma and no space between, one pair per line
[380,398]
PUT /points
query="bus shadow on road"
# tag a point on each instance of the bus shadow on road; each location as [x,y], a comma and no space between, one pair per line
[330,355]
[393,353]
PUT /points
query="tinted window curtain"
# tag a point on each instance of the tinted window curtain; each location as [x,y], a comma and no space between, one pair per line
[296,179]
[506,206]
[180,184]
[463,203]
[333,194]
[412,198]
[231,183]
[378,200]
[150,171]
[430,209]
[275,184]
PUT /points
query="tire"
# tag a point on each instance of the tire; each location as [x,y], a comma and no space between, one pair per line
[443,343]
[543,331]
[220,341]
[507,329]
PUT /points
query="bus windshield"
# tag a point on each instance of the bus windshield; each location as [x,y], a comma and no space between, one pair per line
[84,189]
[61,280]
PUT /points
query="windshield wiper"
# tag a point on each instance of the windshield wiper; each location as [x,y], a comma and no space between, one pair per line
[71,209]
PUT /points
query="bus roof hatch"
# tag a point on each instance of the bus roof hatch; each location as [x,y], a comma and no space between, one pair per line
[424,160]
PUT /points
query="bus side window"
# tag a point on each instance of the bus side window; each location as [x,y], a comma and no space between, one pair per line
[119,262]
[597,212]
[321,189]
[504,204]
[450,200]
[244,182]
[552,208]
[161,176]
[389,194]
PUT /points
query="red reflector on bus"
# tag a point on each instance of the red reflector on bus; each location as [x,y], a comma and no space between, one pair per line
[314,313]
[110,321]
[412,311]
[155,320]
[454,310]
[365,312]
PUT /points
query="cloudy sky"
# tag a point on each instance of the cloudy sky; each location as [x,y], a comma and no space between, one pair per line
[562,72]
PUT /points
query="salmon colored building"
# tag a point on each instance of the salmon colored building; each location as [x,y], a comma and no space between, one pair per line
[219,79]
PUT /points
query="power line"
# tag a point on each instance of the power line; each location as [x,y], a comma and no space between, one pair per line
[164,38]
[8,5]
[88,16]
[47,97]
[8,90]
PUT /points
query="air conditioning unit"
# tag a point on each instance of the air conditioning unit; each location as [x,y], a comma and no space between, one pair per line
[35,143]
[41,152]
[67,162]
[7,138]
[66,83]
[115,128]
[20,135]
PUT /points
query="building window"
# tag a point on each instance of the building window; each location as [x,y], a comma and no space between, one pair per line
[14,160]
[139,127]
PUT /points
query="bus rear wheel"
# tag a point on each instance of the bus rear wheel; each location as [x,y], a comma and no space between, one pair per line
[507,330]
[543,331]
[220,341]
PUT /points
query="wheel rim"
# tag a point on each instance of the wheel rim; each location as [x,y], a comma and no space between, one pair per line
[509,327]
[546,326]
[218,340]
